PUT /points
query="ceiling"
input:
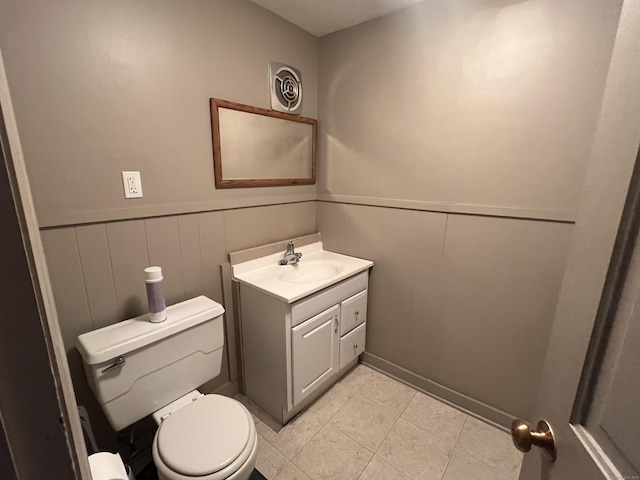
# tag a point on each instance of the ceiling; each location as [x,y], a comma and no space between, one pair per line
[320,17]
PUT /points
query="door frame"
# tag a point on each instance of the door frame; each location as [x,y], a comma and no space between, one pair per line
[598,222]
[39,417]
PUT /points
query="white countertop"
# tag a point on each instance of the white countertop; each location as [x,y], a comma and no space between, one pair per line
[265,274]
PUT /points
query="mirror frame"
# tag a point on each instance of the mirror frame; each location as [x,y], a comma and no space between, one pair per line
[216,104]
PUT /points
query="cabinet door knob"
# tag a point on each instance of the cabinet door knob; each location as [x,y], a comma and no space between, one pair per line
[355,346]
[357,313]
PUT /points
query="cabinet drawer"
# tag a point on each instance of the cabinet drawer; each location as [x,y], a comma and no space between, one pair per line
[352,345]
[353,312]
[318,302]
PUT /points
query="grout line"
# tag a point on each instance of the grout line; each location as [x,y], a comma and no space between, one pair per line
[455,445]
[434,434]
[276,449]
[201,260]
[181,248]
[444,472]
[365,467]
[407,405]
[353,394]
[382,406]
[113,276]
[84,280]
[278,472]
[146,241]
[505,474]
[466,417]
[444,235]
[386,435]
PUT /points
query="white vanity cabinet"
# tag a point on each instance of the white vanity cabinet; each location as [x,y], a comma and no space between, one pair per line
[292,352]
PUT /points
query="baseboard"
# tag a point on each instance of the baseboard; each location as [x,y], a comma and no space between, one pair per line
[468,405]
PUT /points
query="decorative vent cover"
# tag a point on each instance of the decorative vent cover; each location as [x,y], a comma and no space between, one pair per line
[285,84]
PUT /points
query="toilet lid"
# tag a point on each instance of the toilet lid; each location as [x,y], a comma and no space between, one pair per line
[204,436]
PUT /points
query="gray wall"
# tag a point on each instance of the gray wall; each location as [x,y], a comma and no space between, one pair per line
[454,138]
[102,87]
[473,103]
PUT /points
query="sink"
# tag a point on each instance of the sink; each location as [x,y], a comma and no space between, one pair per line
[310,271]
[317,269]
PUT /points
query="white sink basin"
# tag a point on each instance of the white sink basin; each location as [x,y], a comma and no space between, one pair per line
[317,269]
[310,271]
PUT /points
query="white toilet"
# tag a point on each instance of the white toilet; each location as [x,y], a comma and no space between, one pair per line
[136,368]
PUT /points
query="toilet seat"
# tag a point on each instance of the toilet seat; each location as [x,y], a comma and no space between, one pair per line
[211,438]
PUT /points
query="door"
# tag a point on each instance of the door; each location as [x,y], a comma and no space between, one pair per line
[590,387]
[314,352]
[38,412]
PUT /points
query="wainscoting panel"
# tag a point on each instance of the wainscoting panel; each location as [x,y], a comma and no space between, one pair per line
[98,274]
[463,301]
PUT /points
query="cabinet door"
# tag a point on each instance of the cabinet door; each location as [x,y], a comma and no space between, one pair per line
[314,352]
[353,312]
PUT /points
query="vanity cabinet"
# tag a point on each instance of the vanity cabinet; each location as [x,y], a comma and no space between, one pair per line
[293,352]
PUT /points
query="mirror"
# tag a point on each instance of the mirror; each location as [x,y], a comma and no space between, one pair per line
[254,147]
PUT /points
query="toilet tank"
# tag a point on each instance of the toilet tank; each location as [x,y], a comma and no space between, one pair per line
[162,361]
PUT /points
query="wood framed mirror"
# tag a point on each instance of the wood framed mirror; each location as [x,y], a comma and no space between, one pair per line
[254,147]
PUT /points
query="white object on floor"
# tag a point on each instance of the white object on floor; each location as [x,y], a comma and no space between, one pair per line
[107,466]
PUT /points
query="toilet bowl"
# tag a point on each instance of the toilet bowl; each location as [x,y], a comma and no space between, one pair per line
[136,366]
[211,438]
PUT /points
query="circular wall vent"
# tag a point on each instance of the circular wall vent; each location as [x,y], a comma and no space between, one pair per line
[285,83]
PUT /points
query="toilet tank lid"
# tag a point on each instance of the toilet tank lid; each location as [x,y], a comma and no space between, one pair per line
[107,343]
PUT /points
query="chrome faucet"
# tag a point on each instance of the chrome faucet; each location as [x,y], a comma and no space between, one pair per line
[290,256]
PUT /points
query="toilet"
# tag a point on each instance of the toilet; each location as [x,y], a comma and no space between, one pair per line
[137,368]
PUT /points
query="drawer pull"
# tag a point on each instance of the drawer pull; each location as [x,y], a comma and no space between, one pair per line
[355,347]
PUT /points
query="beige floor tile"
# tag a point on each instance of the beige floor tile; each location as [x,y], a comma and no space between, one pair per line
[414,452]
[293,435]
[490,446]
[257,412]
[464,467]
[356,377]
[364,421]
[387,392]
[332,401]
[331,455]
[381,470]
[270,461]
[435,417]
[291,472]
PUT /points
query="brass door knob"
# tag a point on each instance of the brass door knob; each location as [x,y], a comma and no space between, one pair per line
[523,438]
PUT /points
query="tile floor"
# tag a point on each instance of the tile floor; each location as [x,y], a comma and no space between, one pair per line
[371,427]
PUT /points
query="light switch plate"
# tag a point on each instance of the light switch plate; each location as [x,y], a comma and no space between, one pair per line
[132,184]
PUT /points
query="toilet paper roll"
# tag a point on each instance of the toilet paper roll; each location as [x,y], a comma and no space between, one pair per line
[107,466]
